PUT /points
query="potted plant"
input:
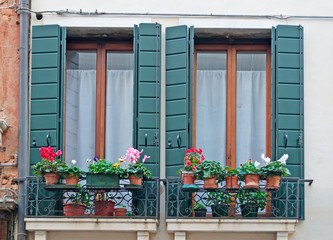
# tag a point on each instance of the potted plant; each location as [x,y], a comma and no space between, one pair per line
[120,212]
[135,171]
[274,170]
[220,203]
[251,174]
[209,172]
[199,210]
[49,167]
[231,178]
[77,205]
[103,174]
[72,174]
[103,207]
[192,158]
[251,201]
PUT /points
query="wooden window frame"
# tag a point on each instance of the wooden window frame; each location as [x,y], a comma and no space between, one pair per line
[101,65]
[231,51]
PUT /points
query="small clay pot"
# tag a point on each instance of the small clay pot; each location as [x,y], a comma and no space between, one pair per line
[231,182]
[210,182]
[74,209]
[273,182]
[104,208]
[135,180]
[251,181]
[51,178]
[188,178]
[120,212]
[70,180]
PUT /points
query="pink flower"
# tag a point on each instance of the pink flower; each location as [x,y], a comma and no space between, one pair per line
[145,158]
[194,168]
[58,153]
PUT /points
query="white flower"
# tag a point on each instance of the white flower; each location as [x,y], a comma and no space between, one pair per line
[88,160]
[256,164]
[283,159]
[73,162]
[265,159]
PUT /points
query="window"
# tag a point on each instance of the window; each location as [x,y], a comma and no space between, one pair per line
[99,101]
[232,99]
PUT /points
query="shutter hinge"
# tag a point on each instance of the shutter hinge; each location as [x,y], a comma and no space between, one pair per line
[59,120]
[137,119]
[300,139]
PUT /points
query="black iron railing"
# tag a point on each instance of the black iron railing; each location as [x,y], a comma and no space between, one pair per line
[87,201]
[282,203]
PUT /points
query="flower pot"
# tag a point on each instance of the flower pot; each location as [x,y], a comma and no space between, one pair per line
[251,181]
[135,180]
[188,178]
[221,210]
[273,182]
[200,212]
[102,180]
[74,209]
[231,182]
[120,212]
[104,208]
[70,180]
[51,178]
[210,182]
[249,210]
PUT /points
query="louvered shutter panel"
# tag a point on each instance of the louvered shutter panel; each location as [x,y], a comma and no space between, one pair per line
[147,74]
[287,76]
[179,70]
[45,89]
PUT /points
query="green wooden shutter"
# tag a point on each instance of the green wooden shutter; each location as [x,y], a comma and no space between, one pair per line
[147,74]
[287,76]
[45,89]
[179,70]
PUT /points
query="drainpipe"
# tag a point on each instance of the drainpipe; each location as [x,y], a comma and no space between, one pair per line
[23,118]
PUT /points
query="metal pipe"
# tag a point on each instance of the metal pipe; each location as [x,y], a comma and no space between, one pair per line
[23,124]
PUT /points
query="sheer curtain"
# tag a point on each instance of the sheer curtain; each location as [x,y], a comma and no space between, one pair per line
[80,116]
[211,114]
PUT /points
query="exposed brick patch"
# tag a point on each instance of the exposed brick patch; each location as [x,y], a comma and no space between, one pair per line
[3,230]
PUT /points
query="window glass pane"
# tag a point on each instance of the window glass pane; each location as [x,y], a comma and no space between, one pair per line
[119,105]
[211,105]
[251,106]
[80,106]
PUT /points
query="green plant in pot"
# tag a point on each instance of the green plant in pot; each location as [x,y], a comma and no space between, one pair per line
[250,173]
[135,171]
[193,157]
[274,170]
[77,204]
[103,174]
[231,177]
[220,203]
[51,166]
[251,201]
[72,174]
[199,209]
[209,171]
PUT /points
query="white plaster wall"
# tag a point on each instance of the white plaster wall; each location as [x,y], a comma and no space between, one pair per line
[318,80]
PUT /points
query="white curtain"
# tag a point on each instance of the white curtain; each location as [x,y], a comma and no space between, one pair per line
[119,113]
[211,114]
[251,116]
[80,116]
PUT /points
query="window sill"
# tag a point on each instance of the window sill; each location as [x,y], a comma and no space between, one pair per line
[90,224]
[231,225]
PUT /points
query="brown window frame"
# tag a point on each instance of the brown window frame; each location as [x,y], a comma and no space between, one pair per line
[231,51]
[101,51]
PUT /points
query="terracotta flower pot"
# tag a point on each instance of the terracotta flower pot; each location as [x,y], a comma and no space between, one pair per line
[74,209]
[104,208]
[70,180]
[231,182]
[273,182]
[135,180]
[120,212]
[251,181]
[188,178]
[210,182]
[51,178]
